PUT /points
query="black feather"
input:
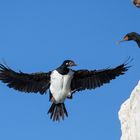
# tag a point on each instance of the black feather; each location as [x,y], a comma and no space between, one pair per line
[57,111]
[34,82]
[85,79]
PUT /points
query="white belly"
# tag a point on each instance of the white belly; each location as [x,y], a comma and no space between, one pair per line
[60,85]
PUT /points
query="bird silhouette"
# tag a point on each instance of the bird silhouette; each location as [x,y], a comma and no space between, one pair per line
[62,83]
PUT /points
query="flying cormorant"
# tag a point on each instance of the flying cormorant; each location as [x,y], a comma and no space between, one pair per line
[62,83]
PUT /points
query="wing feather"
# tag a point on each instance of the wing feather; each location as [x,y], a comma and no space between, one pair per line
[34,82]
[85,79]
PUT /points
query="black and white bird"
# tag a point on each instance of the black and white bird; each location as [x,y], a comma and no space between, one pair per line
[62,83]
[132,36]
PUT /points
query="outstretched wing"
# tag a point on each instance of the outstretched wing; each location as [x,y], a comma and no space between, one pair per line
[34,82]
[85,79]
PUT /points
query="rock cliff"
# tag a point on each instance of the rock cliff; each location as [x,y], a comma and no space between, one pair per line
[129,116]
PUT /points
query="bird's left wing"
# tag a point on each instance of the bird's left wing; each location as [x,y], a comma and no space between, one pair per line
[34,82]
[85,79]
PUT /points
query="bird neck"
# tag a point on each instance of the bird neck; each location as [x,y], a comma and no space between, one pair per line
[138,38]
[63,69]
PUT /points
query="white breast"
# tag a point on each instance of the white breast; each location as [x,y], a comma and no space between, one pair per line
[60,85]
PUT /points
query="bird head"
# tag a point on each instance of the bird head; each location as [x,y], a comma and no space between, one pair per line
[129,36]
[68,63]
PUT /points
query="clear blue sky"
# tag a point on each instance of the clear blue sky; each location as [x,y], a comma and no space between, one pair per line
[37,35]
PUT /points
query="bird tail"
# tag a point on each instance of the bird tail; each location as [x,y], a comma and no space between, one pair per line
[57,111]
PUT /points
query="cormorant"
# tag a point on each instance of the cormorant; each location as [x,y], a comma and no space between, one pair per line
[62,83]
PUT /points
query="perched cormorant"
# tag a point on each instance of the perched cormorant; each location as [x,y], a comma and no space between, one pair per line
[62,83]
[132,36]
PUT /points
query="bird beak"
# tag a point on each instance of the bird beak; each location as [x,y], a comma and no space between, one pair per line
[74,64]
[120,41]
[124,39]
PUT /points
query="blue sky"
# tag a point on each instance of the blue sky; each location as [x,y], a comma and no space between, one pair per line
[37,35]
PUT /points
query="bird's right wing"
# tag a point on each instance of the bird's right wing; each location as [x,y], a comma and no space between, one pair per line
[34,82]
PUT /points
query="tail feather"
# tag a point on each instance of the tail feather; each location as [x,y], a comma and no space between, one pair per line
[65,110]
[57,111]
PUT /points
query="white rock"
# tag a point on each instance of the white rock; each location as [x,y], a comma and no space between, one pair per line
[129,116]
